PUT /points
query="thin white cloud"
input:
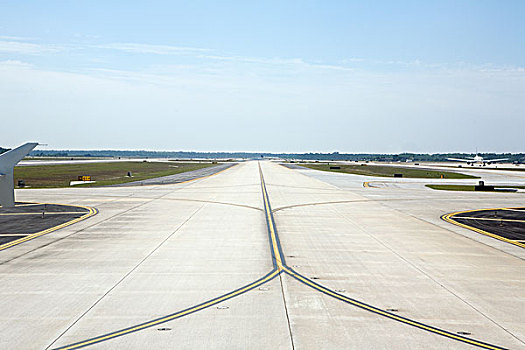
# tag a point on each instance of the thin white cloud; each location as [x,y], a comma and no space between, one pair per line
[205,54]
[14,63]
[18,47]
[151,49]
[298,62]
[16,38]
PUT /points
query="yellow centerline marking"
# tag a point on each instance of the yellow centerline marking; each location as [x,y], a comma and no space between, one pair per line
[275,247]
[448,218]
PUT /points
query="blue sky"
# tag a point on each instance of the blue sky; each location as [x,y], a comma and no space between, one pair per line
[282,76]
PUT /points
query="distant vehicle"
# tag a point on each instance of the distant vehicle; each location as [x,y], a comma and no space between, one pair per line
[478,160]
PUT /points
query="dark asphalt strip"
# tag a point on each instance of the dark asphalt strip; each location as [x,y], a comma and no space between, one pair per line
[504,224]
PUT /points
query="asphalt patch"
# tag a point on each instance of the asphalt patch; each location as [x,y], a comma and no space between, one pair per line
[178,178]
[506,223]
[25,219]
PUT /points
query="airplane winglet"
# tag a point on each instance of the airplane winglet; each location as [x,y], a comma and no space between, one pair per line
[10,158]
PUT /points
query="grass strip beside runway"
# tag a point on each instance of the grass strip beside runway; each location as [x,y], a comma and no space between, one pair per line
[385,171]
[109,173]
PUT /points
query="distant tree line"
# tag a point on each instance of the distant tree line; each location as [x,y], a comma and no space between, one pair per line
[402,157]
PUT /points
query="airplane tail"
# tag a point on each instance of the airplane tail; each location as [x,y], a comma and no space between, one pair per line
[8,160]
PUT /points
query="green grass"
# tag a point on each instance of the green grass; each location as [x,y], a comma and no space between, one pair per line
[462,187]
[31,158]
[49,176]
[387,171]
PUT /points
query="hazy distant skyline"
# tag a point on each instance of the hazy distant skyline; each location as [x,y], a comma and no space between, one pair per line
[274,76]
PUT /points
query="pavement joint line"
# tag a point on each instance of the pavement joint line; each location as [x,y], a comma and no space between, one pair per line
[367,200]
[430,277]
[211,202]
[90,212]
[286,311]
[305,188]
[324,203]
[450,219]
[89,226]
[279,267]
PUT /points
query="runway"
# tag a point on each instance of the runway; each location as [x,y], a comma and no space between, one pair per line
[261,256]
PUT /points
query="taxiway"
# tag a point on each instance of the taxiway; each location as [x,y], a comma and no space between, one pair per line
[262,256]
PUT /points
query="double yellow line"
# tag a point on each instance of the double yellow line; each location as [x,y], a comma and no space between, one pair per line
[276,252]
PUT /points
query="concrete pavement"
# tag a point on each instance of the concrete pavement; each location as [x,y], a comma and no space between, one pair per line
[153,251]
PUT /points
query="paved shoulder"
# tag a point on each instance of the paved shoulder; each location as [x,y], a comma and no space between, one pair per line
[178,178]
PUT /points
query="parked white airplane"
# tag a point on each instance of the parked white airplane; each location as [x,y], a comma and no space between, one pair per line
[477,160]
